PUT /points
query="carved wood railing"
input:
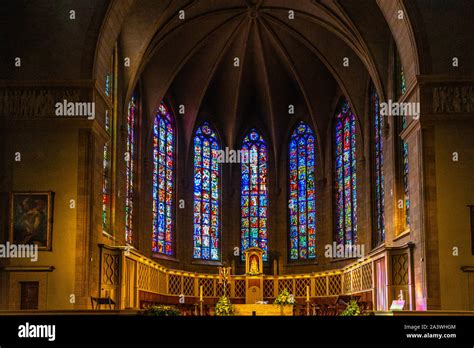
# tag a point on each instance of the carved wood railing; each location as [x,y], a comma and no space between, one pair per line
[135,273]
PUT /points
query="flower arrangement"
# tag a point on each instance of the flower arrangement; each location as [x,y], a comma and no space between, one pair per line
[284,298]
[162,310]
[224,307]
[351,310]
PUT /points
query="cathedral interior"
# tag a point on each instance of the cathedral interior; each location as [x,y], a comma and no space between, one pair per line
[171,152]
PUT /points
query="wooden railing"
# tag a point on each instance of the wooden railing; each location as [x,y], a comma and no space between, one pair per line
[124,274]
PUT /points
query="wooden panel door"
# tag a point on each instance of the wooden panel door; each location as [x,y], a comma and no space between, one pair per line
[29,295]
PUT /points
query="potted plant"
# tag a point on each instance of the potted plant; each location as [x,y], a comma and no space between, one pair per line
[283,299]
[352,309]
[161,310]
[224,307]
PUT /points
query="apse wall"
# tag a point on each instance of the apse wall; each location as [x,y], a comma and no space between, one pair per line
[454,191]
[69,161]
[48,163]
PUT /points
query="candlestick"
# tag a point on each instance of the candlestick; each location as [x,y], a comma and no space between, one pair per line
[201,302]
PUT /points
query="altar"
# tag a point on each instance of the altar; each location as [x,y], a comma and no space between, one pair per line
[254,304]
[254,289]
[262,310]
[254,275]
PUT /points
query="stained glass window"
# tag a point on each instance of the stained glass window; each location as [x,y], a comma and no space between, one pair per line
[107,121]
[163,181]
[345,176]
[109,77]
[109,147]
[378,169]
[130,171]
[399,78]
[302,202]
[403,174]
[403,85]
[108,84]
[406,192]
[106,188]
[254,195]
[206,194]
[402,153]
[111,81]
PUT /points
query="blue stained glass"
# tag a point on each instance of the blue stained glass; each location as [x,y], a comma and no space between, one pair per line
[405,184]
[163,181]
[254,196]
[403,153]
[403,84]
[106,163]
[302,193]
[130,171]
[206,194]
[108,84]
[345,185]
[378,166]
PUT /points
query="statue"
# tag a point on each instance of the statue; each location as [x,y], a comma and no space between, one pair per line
[254,264]
[254,275]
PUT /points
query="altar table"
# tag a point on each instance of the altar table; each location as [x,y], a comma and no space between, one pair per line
[262,309]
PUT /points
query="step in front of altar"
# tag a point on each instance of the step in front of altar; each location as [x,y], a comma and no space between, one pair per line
[262,309]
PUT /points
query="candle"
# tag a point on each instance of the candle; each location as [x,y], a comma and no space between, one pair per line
[307,293]
[200,293]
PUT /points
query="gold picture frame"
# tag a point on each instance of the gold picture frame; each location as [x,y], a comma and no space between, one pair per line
[31,218]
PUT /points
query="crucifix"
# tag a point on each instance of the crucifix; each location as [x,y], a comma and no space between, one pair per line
[224,274]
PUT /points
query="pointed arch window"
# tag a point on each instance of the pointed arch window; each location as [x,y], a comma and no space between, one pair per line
[404,170]
[403,195]
[106,163]
[399,78]
[302,202]
[345,176]
[254,194]
[109,148]
[130,170]
[403,84]
[379,180]
[206,194]
[163,181]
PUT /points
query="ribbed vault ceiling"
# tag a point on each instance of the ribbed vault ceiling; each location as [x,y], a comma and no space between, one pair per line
[282,62]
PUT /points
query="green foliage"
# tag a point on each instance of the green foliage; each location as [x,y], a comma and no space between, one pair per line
[284,298]
[224,307]
[161,310]
[351,310]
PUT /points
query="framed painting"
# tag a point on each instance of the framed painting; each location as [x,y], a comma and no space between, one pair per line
[31,218]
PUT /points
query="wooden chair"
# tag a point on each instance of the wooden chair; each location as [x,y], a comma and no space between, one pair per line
[99,301]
